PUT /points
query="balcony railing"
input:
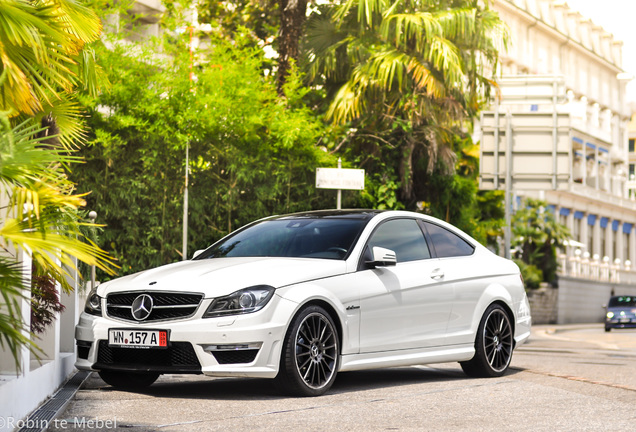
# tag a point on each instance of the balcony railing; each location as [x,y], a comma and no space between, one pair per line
[593,268]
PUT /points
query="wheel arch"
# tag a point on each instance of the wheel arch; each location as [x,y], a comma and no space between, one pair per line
[332,313]
[494,293]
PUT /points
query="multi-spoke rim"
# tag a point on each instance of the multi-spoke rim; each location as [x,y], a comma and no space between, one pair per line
[498,340]
[316,350]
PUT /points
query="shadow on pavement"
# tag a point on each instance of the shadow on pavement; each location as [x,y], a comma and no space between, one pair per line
[202,387]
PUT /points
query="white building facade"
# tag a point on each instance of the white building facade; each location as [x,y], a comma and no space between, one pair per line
[559,131]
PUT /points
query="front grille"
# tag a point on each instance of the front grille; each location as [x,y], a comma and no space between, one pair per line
[166,305]
[178,357]
[239,356]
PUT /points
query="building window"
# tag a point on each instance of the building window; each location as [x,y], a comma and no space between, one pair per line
[615,235]
[631,145]
[632,170]
[604,251]
[576,232]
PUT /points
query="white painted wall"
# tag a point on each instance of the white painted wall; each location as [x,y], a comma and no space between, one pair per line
[581,300]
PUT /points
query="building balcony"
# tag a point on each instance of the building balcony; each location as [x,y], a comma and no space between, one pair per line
[581,265]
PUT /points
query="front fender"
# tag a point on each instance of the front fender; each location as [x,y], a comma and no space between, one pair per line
[340,299]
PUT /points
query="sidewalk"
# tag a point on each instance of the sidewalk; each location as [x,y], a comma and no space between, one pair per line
[589,335]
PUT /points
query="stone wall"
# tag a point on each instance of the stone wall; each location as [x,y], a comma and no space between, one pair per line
[576,301]
[543,305]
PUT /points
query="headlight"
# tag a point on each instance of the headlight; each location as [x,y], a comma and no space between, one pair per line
[245,301]
[93,304]
[610,315]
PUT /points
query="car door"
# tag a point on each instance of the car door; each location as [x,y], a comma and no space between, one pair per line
[407,305]
[466,272]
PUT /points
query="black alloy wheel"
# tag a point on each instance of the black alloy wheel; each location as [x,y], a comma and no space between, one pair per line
[493,345]
[309,360]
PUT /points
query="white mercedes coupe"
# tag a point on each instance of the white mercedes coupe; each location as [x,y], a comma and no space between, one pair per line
[304,296]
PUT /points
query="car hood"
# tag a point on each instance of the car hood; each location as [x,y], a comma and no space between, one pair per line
[629,310]
[221,276]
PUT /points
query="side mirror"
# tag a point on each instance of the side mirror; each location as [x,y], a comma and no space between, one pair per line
[382,258]
[197,253]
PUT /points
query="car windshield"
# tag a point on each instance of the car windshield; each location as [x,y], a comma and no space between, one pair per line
[330,238]
[622,301]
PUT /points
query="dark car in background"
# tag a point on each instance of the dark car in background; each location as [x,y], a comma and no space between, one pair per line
[621,312]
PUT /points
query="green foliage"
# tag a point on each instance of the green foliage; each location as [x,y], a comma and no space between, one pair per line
[536,235]
[407,76]
[45,302]
[532,275]
[251,153]
[43,52]
[491,220]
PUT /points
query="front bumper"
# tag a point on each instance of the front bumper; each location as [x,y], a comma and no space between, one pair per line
[242,345]
[620,323]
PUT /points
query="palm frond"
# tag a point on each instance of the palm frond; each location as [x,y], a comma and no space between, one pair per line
[79,20]
[402,29]
[38,42]
[54,250]
[348,103]
[24,161]
[13,330]
[69,119]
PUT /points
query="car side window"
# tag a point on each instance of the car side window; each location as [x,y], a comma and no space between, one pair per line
[446,243]
[403,236]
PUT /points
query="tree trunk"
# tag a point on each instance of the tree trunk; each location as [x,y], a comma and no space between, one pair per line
[406,170]
[292,13]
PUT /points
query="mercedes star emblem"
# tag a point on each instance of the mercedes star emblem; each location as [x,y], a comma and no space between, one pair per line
[141,307]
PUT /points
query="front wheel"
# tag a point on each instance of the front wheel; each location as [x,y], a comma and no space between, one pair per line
[128,380]
[493,345]
[309,360]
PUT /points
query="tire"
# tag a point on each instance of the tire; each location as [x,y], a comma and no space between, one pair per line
[311,352]
[608,329]
[129,380]
[493,345]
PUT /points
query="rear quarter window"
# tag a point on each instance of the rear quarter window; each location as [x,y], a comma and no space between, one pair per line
[446,243]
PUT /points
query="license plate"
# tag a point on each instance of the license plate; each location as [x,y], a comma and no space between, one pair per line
[138,338]
[624,320]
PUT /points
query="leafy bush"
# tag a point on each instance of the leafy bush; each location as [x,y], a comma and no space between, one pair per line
[532,275]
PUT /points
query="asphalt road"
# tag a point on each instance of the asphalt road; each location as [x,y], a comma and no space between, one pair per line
[572,378]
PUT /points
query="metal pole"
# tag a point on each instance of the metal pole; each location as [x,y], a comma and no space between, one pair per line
[555,134]
[92,215]
[339,201]
[496,142]
[185,205]
[508,200]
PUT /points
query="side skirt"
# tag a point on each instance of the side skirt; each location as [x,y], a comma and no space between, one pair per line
[406,357]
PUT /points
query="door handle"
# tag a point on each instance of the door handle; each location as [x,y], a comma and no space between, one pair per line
[437,274]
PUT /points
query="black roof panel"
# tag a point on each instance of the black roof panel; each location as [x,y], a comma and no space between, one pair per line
[335,214]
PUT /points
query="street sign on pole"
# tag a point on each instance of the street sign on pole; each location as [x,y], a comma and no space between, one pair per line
[338,178]
[334,178]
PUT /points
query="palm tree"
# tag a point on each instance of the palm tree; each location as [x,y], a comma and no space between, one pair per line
[292,18]
[407,72]
[537,234]
[44,61]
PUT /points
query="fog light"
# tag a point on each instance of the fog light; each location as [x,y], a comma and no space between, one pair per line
[232,347]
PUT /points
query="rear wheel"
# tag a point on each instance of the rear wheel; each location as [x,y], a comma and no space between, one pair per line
[309,361]
[493,345]
[129,380]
